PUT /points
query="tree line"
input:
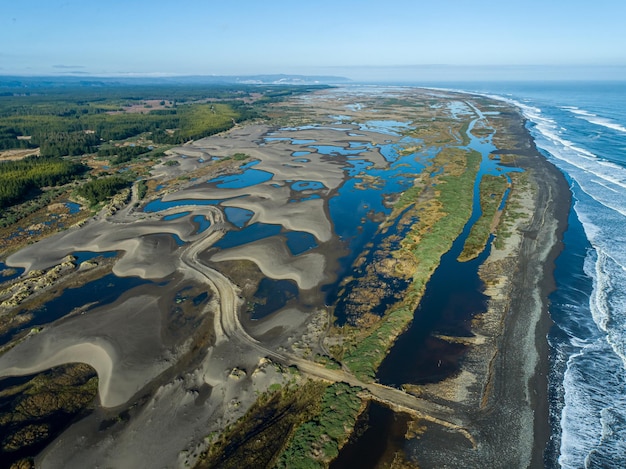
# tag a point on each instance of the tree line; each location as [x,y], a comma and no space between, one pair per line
[74,120]
[18,178]
[101,189]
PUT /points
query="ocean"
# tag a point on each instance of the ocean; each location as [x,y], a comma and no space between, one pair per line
[581,128]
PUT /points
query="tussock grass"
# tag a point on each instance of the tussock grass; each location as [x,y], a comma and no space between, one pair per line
[441,221]
[492,189]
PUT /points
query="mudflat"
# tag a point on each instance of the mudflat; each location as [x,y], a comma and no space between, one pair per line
[183,351]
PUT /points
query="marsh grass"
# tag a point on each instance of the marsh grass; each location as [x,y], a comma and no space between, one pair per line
[441,221]
[258,438]
[319,440]
[492,190]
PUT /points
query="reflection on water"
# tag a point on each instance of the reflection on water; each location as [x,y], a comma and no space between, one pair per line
[102,291]
[9,273]
[307,185]
[271,296]
[452,297]
[250,233]
[175,216]
[82,256]
[202,222]
[159,205]
[238,216]
[379,434]
[299,241]
[250,177]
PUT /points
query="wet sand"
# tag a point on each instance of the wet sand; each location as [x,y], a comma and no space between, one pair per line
[194,401]
[528,324]
[502,387]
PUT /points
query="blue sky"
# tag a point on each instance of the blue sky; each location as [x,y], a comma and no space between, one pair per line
[350,38]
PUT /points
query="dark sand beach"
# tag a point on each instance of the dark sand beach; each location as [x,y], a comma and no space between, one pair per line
[519,400]
[492,413]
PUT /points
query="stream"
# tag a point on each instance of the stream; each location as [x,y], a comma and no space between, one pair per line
[452,297]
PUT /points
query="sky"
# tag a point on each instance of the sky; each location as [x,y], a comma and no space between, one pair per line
[357,39]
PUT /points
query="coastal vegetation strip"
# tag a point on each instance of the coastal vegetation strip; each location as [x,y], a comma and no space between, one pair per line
[440,201]
[317,441]
[258,438]
[301,424]
[492,192]
[514,211]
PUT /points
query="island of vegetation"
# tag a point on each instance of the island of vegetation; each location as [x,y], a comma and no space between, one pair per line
[242,263]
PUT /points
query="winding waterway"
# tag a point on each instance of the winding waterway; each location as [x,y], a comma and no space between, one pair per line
[367,177]
[453,296]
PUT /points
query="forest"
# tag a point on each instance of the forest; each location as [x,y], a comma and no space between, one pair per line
[101,189]
[18,178]
[75,120]
[66,123]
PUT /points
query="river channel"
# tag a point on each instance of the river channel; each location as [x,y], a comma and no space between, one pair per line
[371,176]
[453,296]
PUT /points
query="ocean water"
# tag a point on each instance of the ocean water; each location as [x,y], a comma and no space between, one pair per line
[581,128]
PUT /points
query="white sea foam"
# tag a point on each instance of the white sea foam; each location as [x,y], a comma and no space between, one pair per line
[593,405]
[595,119]
[593,417]
[594,412]
[603,181]
[582,112]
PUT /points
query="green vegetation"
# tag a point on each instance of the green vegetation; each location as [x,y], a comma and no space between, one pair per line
[318,441]
[142,189]
[97,120]
[455,207]
[37,408]
[240,156]
[18,178]
[441,221]
[328,362]
[492,189]
[197,121]
[99,190]
[258,437]
[123,154]
[15,213]
[465,140]
[75,120]
[513,209]
[364,359]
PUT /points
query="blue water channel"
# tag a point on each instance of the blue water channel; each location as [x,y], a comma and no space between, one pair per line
[104,290]
[453,295]
[249,177]
[9,273]
[351,208]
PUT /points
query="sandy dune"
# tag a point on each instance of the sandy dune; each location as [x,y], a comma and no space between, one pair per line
[122,343]
[275,261]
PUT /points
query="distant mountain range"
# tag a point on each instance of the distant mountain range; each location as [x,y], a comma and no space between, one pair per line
[95,81]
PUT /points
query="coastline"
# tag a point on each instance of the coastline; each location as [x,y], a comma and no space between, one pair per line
[521,365]
[560,203]
[511,383]
[502,387]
